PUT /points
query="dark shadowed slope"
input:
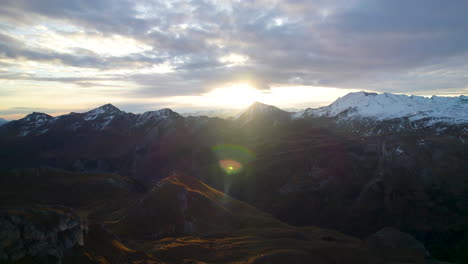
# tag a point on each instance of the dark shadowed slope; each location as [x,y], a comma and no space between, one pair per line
[181,220]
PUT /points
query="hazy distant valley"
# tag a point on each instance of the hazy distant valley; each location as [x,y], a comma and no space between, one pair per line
[371,178]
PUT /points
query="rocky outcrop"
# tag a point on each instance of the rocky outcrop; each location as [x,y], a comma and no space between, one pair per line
[38,232]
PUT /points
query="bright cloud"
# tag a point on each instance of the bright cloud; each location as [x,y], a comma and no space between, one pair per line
[234,59]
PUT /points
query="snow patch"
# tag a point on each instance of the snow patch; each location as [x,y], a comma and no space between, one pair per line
[105,109]
[105,123]
[154,116]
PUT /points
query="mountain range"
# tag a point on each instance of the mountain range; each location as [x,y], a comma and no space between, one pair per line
[359,105]
[167,188]
[391,106]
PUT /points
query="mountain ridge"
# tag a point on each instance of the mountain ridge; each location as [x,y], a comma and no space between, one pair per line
[388,106]
[371,101]
[363,107]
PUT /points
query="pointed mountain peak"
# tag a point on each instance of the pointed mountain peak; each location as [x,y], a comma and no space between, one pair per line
[105,109]
[109,108]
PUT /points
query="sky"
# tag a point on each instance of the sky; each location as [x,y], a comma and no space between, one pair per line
[61,56]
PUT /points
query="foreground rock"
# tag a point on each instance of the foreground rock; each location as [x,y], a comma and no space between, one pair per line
[42,233]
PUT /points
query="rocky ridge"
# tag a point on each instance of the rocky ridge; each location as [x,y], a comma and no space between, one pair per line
[39,232]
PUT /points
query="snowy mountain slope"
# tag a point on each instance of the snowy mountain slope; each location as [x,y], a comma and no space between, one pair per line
[390,106]
[36,122]
[155,116]
[106,117]
[106,109]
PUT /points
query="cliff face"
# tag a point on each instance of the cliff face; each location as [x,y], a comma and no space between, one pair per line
[38,232]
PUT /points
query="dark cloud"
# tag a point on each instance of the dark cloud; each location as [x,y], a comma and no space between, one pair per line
[365,44]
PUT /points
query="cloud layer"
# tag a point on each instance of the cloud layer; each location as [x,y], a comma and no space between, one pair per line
[144,49]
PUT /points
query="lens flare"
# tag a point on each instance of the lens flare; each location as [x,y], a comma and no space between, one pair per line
[233,158]
[230,166]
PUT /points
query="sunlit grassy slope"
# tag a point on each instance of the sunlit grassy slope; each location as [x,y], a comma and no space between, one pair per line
[180,220]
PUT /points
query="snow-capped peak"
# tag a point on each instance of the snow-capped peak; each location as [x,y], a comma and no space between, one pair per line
[37,118]
[389,106]
[105,109]
[32,122]
[161,114]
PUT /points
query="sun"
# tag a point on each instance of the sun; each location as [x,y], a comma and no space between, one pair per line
[239,95]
